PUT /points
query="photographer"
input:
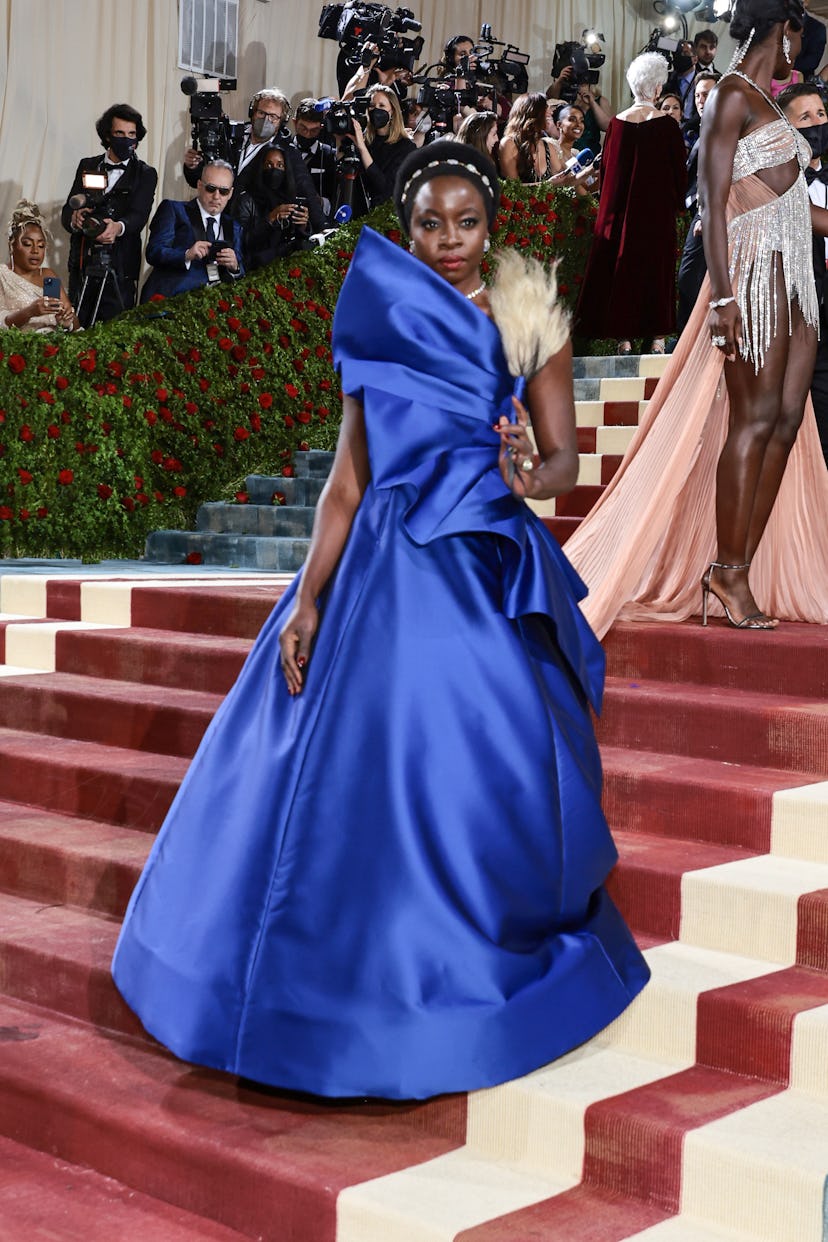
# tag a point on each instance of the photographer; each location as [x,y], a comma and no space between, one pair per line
[319,156]
[381,148]
[269,110]
[195,243]
[274,223]
[372,73]
[108,258]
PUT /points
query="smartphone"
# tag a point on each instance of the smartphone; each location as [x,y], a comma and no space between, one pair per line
[299,203]
[51,287]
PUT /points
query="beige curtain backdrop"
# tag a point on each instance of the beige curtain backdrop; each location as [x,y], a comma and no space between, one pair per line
[63,62]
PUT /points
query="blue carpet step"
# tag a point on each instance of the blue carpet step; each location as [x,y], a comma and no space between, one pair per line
[274,489]
[274,521]
[261,552]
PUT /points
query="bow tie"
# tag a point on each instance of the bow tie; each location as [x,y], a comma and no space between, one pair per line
[817,174]
[114,167]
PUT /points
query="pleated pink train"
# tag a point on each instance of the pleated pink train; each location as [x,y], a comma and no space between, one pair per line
[645,544]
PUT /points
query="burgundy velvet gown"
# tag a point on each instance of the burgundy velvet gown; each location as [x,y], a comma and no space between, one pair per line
[629,288]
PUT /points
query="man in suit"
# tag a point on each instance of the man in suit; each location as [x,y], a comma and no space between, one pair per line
[109,263]
[195,243]
[269,111]
[693,266]
[319,156]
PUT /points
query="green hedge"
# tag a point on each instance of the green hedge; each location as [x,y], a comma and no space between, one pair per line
[108,434]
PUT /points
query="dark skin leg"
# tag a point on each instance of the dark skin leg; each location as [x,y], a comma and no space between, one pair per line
[765,415]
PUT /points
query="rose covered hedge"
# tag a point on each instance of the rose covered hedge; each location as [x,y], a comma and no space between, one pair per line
[108,434]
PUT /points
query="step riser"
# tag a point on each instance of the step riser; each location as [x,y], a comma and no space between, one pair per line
[132,801]
[116,656]
[239,551]
[294,522]
[48,874]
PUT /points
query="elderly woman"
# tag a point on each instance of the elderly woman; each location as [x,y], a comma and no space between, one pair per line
[382,146]
[629,289]
[22,302]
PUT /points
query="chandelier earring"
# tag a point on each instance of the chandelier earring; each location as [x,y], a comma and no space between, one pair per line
[487,245]
[786,49]
[742,51]
[411,246]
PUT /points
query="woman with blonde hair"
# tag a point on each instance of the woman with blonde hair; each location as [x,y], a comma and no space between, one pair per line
[22,303]
[382,146]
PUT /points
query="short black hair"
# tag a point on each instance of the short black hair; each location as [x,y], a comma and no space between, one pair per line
[798,90]
[446,158]
[103,125]
[762,15]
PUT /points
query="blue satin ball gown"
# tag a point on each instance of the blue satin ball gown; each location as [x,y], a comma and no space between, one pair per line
[391,885]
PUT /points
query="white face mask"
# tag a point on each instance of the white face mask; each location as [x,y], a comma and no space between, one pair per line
[424,124]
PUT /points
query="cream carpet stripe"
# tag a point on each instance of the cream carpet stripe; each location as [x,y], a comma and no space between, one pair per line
[688,1229]
[12,670]
[809,1052]
[34,644]
[762,1170]
[433,1202]
[23,594]
[799,823]
[661,1021]
[110,602]
[748,907]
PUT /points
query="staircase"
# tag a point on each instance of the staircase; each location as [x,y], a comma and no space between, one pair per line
[700,1115]
[271,530]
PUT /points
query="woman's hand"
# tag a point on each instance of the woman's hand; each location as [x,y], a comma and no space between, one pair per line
[725,325]
[282,212]
[65,316]
[359,137]
[301,216]
[295,640]
[517,454]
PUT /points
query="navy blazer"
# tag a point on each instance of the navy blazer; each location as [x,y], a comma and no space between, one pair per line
[173,229]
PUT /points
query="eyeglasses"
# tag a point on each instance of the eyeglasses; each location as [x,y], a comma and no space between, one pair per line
[274,116]
[223,190]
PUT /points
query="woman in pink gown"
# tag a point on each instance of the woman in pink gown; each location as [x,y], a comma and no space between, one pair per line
[724,476]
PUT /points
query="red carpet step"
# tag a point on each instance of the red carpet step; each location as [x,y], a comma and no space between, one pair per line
[702,732]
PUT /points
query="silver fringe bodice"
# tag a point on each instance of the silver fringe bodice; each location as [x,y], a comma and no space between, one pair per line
[758,237]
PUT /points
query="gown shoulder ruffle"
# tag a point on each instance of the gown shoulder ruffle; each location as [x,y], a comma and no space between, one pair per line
[392,885]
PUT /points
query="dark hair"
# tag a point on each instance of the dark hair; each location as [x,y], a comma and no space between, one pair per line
[707,76]
[258,191]
[103,125]
[306,108]
[475,130]
[558,111]
[799,90]
[446,158]
[763,16]
[709,36]
[447,60]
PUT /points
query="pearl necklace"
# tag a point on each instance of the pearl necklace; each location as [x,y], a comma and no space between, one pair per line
[476,292]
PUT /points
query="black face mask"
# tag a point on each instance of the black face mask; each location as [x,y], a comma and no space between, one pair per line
[305,144]
[817,138]
[379,118]
[122,148]
[682,62]
[273,179]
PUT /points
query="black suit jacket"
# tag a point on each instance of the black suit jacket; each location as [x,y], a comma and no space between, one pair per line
[175,226]
[130,201]
[244,179]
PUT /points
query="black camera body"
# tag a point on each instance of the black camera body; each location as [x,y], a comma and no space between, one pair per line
[354,25]
[211,129]
[585,66]
[339,117]
[507,68]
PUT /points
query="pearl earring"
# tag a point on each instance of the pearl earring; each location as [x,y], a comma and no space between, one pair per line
[786,48]
[487,245]
[411,246]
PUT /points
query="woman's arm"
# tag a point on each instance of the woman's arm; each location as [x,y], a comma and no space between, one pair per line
[551,400]
[508,156]
[819,220]
[725,116]
[335,511]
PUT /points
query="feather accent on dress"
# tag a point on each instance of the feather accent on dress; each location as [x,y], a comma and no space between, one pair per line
[524,300]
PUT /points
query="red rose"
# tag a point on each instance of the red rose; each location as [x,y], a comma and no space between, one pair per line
[325,385]
[239,353]
[233,323]
[65,477]
[161,394]
[193,558]
[24,515]
[142,498]
[278,498]
[191,407]
[255,422]
[43,512]
[53,431]
[128,503]
[284,293]
[139,482]
[65,417]
[61,382]
[303,417]
[49,351]
[265,400]
[204,384]
[17,363]
[86,363]
[244,334]
[241,433]
[299,365]
[264,324]
[179,491]
[225,343]
[304,447]
[24,476]
[224,305]
[195,355]
[212,332]
[218,449]
[26,434]
[291,390]
[288,472]
[127,403]
[159,496]
[104,491]
[151,417]
[242,497]
[6,514]
[289,421]
[157,297]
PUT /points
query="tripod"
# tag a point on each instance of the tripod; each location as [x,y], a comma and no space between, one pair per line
[98,274]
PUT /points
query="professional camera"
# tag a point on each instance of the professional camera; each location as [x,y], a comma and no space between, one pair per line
[584,65]
[210,127]
[666,46]
[508,68]
[94,189]
[356,24]
[338,116]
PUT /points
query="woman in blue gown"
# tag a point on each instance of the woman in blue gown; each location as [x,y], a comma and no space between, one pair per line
[383,873]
